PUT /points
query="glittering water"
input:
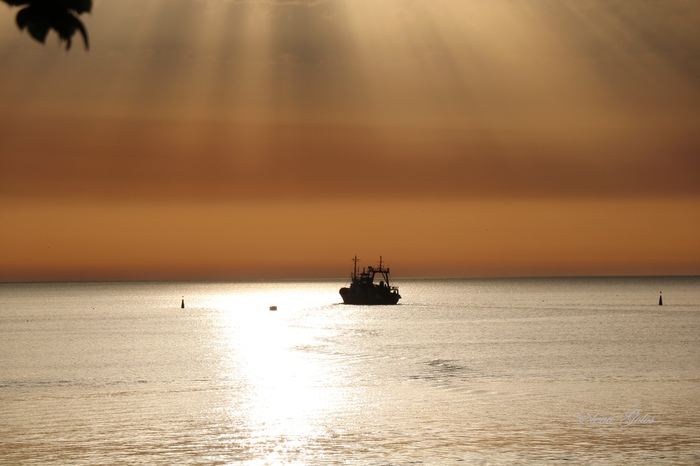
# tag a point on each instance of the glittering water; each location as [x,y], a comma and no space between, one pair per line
[461,371]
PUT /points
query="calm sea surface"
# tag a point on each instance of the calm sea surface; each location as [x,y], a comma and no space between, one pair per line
[573,371]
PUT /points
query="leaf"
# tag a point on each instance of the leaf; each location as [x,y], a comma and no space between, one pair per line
[23,17]
[38,28]
[79,6]
[83,32]
[65,25]
[61,15]
[35,21]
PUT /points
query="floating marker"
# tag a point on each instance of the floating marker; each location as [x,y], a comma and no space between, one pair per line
[273,308]
[661,299]
[182,306]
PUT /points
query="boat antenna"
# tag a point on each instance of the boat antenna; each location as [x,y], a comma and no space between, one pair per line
[380,262]
[354,270]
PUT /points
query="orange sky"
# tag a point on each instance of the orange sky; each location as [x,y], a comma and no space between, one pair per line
[272,139]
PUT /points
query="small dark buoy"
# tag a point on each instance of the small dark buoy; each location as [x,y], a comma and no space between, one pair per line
[661,299]
[273,308]
[182,306]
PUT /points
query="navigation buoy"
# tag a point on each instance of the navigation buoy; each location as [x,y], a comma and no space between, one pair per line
[661,299]
[182,306]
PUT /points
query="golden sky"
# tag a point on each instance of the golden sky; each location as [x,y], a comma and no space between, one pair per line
[224,139]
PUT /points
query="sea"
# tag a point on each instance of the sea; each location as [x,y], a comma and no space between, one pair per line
[461,371]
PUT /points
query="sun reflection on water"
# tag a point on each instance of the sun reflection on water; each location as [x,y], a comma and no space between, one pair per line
[287,386]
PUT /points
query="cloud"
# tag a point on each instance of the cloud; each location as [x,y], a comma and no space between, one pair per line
[454,98]
[559,136]
[158,159]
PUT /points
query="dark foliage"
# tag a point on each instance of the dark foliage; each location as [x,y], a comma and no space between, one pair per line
[38,17]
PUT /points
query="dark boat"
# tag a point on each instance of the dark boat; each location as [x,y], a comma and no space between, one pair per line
[363,290]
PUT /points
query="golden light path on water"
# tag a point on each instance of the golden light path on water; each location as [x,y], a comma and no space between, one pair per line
[277,365]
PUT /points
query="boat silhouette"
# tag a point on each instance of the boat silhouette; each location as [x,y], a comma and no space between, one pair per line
[363,290]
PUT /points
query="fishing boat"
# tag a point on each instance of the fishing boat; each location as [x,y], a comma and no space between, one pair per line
[363,290]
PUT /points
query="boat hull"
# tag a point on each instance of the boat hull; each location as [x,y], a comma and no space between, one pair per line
[375,296]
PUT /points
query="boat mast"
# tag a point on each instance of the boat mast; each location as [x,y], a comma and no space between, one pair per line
[384,272]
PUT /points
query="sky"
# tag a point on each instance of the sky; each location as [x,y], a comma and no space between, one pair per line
[264,139]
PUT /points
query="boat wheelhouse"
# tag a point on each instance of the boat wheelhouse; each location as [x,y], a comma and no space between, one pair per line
[363,290]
